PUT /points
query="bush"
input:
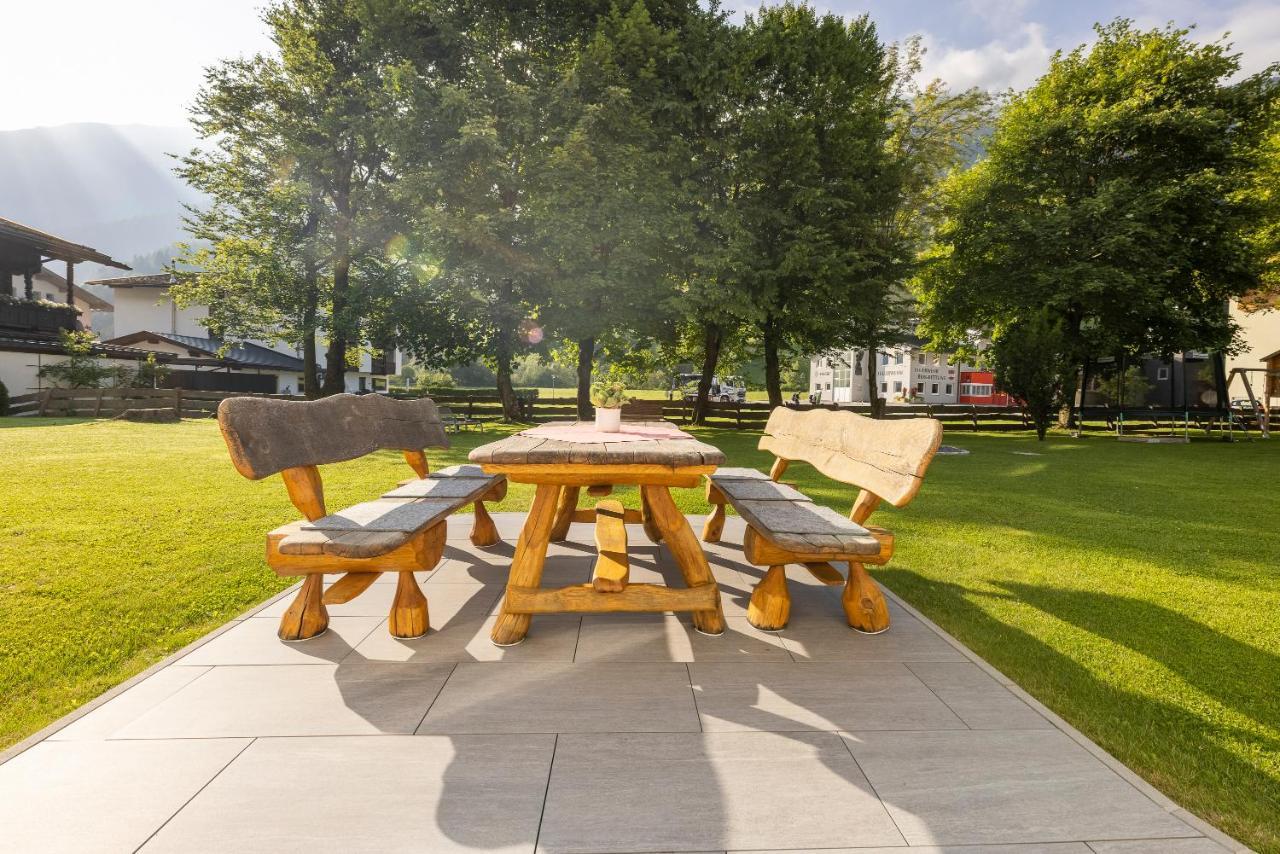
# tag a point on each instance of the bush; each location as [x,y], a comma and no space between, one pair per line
[1031,364]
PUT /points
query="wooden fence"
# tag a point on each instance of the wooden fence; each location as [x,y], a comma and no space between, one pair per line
[109,402]
[188,403]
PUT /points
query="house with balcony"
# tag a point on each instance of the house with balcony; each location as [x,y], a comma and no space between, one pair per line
[146,317]
[37,304]
[905,373]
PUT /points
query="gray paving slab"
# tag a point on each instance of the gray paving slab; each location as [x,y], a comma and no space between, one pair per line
[980,701]
[370,795]
[827,637]
[1034,848]
[988,787]
[658,637]
[84,797]
[354,698]
[254,641]
[442,600]
[589,697]
[552,638]
[818,696]
[119,711]
[1158,846]
[696,791]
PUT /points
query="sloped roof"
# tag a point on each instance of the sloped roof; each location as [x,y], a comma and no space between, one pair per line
[94,302]
[243,354]
[54,247]
[151,280]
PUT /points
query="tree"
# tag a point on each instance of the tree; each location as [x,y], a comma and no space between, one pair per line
[1032,362]
[816,178]
[300,129]
[607,194]
[1109,197]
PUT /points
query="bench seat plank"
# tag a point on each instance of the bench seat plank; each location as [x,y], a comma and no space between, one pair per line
[462,489]
[294,540]
[738,474]
[464,470]
[750,489]
[802,526]
[392,515]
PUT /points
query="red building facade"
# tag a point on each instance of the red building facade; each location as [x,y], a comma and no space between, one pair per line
[978,387]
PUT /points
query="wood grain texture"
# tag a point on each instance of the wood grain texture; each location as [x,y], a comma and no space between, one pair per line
[754,490]
[526,567]
[265,436]
[408,617]
[417,461]
[587,474]
[802,526]
[770,606]
[761,551]
[351,552]
[566,509]
[637,598]
[864,605]
[526,450]
[484,532]
[306,617]
[825,572]
[463,489]
[386,515]
[612,568]
[684,546]
[349,587]
[887,458]
[306,490]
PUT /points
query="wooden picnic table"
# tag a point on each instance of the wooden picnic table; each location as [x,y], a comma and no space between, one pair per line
[559,470]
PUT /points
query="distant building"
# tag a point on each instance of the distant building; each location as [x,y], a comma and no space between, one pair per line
[979,389]
[146,317]
[905,373]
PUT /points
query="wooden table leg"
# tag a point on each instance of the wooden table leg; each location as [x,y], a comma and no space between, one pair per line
[680,538]
[567,504]
[651,529]
[526,566]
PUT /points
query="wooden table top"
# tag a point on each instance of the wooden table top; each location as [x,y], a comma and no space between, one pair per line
[672,453]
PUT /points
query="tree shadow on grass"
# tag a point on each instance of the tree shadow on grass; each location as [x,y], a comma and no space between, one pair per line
[1236,674]
[1180,752]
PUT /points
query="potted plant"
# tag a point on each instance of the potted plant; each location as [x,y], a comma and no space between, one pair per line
[607,398]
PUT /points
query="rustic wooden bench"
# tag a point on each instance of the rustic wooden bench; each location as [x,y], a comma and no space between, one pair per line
[403,531]
[886,459]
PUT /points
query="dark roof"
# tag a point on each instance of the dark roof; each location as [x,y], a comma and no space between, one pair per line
[1270,356]
[242,354]
[152,280]
[37,344]
[54,247]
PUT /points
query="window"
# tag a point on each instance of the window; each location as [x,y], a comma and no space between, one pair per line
[843,375]
[934,388]
[975,389]
[1162,373]
[897,358]
[897,386]
[920,388]
[884,358]
[884,388]
[948,388]
[364,384]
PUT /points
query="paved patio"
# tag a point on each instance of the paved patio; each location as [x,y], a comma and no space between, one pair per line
[598,734]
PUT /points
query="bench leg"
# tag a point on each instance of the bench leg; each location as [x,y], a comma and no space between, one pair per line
[306,617]
[408,618]
[526,566]
[714,526]
[679,537]
[567,504]
[864,604]
[770,606]
[483,531]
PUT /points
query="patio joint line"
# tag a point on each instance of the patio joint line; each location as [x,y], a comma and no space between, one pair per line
[694,694]
[436,696]
[195,795]
[929,688]
[546,792]
[577,640]
[840,734]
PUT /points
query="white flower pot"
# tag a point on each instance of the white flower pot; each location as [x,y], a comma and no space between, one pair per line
[608,420]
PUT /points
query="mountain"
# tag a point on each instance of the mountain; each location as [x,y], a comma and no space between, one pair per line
[111,187]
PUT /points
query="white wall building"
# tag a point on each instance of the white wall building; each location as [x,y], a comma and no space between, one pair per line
[147,317]
[906,373]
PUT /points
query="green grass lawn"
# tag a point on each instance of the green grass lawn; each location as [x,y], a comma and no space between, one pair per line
[1134,589]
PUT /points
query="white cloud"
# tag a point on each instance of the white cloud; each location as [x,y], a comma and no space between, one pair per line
[1015,61]
[1254,30]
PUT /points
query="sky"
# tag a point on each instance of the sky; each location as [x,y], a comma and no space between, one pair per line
[141,61]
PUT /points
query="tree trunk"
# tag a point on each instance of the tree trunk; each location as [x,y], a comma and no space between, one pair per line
[506,392]
[586,354]
[772,368]
[335,369]
[873,382]
[310,375]
[713,338]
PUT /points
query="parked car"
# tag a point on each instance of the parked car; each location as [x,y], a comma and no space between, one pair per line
[730,389]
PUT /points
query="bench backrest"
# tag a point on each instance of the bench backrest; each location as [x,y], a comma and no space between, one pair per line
[265,436]
[886,458]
